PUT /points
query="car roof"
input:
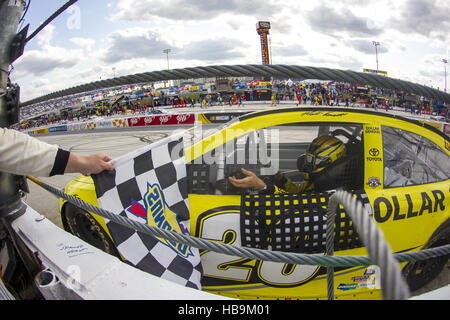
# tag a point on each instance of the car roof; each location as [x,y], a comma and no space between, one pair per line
[355,111]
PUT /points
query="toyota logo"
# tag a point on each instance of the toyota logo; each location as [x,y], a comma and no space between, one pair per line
[374,152]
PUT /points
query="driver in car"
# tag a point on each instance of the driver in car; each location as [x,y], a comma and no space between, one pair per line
[322,152]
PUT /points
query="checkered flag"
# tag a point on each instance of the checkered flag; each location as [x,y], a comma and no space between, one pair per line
[150,186]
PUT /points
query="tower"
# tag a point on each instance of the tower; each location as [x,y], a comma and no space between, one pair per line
[263,27]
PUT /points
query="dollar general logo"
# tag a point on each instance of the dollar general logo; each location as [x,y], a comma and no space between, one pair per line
[157,213]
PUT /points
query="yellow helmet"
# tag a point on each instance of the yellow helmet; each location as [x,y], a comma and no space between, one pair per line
[322,152]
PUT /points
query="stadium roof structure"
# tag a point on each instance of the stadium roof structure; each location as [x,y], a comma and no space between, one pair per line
[265,71]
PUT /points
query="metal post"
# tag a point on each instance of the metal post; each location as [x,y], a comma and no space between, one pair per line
[167,51]
[10,12]
[445,61]
[376,44]
[376,52]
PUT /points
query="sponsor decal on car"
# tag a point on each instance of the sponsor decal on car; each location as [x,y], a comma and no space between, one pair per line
[157,213]
[347,287]
[386,208]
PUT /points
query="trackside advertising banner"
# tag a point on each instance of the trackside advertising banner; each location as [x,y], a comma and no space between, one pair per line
[58,129]
[446,129]
[141,121]
[158,120]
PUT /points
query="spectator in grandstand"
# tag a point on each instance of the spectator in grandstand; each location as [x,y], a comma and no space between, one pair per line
[209,100]
[305,97]
[299,98]
[272,103]
[24,155]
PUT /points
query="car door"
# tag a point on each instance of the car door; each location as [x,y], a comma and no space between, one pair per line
[407,182]
[217,207]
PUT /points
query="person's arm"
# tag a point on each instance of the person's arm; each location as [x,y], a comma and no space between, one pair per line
[24,155]
[281,184]
[88,165]
[251,181]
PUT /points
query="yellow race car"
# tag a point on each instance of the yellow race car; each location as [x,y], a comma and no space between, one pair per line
[398,168]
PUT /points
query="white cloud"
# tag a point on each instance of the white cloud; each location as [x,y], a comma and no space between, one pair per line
[366,46]
[39,63]
[321,33]
[430,18]
[138,43]
[142,10]
[46,35]
[85,43]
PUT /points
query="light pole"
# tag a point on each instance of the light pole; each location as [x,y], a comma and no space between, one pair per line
[166,51]
[445,61]
[114,71]
[376,44]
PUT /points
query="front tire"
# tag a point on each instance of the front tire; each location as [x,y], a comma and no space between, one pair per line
[83,225]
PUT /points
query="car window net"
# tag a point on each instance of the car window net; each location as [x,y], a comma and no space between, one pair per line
[295,223]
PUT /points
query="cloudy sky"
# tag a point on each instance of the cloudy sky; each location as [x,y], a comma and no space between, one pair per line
[98,39]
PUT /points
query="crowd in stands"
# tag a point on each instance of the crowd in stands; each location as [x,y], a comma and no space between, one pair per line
[315,94]
[30,112]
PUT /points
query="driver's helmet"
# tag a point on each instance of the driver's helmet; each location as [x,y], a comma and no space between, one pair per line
[322,152]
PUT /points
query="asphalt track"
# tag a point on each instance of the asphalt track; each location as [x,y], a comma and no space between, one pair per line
[116,143]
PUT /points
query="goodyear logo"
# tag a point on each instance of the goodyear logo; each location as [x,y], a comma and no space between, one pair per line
[157,213]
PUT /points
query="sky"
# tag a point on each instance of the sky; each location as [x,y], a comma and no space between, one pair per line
[97,40]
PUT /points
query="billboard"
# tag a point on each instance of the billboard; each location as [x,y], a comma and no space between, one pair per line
[378,72]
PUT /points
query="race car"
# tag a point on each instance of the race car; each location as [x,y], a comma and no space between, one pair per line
[398,168]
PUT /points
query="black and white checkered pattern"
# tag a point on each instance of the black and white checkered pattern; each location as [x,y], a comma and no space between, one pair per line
[162,164]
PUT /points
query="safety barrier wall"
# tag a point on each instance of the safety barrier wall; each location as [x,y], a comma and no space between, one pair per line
[134,121]
[446,128]
[158,120]
[39,131]
[168,119]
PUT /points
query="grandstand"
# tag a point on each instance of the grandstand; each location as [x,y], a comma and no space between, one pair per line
[150,87]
